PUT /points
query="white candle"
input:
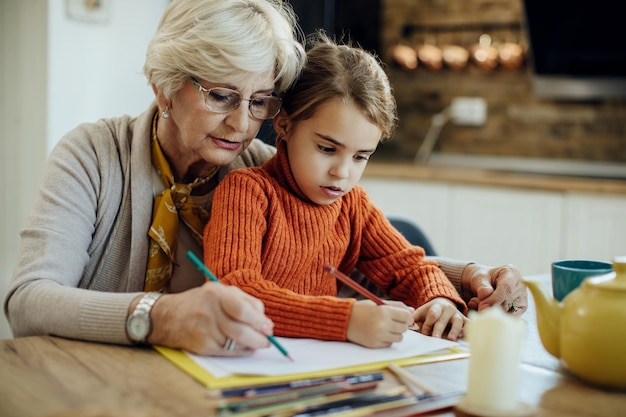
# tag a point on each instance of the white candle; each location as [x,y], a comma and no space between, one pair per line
[495,340]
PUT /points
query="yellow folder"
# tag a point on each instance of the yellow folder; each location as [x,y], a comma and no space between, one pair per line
[189,365]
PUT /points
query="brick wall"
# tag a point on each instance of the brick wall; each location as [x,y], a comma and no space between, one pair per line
[518,123]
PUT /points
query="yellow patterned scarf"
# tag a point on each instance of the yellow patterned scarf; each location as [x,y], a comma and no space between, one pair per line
[173,204]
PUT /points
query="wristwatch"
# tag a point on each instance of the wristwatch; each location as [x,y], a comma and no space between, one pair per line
[138,323]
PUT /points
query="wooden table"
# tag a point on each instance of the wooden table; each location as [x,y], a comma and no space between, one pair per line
[48,376]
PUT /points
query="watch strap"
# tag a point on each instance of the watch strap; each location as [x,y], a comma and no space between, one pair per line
[144,307]
[147,301]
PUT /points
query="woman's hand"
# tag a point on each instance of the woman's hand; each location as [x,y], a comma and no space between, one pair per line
[490,286]
[202,319]
[378,326]
[437,315]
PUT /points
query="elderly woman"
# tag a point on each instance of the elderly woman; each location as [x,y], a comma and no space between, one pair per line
[102,257]
[123,199]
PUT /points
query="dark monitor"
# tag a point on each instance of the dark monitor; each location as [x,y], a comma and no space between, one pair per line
[577,48]
[356,20]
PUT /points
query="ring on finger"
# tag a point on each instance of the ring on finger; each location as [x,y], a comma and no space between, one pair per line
[229,345]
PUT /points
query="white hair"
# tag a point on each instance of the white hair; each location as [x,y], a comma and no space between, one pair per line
[225,42]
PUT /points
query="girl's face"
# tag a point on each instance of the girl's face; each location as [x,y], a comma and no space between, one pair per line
[329,151]
[196,139]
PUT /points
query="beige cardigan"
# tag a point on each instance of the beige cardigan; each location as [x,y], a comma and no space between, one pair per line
[84,250]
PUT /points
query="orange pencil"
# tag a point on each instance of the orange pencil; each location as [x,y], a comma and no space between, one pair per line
[352,284]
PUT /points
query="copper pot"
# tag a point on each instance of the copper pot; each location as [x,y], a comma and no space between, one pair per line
[455,57]
[511,55]
[404,56]
[484,54]
[431,56]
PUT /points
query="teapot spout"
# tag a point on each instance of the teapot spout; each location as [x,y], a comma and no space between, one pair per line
[548,317]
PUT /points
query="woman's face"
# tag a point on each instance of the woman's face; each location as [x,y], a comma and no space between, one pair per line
[196,139]
[329,151]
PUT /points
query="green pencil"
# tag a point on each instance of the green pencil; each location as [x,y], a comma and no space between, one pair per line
[198,263]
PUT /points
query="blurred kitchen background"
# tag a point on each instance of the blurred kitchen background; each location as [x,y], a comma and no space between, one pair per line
[470,95]
[519,123]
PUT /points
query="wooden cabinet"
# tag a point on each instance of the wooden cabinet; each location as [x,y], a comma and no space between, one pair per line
[499,225]
[595,226]
[495,225]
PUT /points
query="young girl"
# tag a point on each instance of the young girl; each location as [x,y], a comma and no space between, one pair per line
[277,226]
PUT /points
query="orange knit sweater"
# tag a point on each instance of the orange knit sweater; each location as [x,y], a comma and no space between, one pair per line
[265,237]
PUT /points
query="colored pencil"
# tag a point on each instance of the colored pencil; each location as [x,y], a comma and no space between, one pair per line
[291,407]
[347,405]
[352,284]
[358,410]
[422,407]
[240,405]
[263,389]
[393,407]
[301,393]
[198,263]
[409,380]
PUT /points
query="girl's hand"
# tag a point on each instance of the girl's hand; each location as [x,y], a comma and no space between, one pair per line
[378,326]
[437,315]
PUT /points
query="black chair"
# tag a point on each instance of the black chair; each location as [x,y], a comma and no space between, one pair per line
[412,233]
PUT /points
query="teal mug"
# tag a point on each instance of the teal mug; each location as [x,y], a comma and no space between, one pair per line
[568,274]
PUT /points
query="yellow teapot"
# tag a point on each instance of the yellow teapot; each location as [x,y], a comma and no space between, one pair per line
[587,330]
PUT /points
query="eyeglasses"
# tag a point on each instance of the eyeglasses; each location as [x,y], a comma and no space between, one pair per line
[224,100]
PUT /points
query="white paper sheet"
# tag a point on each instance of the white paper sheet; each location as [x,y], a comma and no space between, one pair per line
[312,355]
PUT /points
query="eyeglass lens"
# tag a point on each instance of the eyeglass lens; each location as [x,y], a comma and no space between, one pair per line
[223,100]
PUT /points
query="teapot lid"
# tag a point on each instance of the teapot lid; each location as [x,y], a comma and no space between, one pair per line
[613,281]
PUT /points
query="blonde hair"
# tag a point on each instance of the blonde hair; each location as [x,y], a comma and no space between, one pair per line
[346,72]
[225,42]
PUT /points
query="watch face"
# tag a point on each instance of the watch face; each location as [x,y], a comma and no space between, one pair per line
[138,327]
